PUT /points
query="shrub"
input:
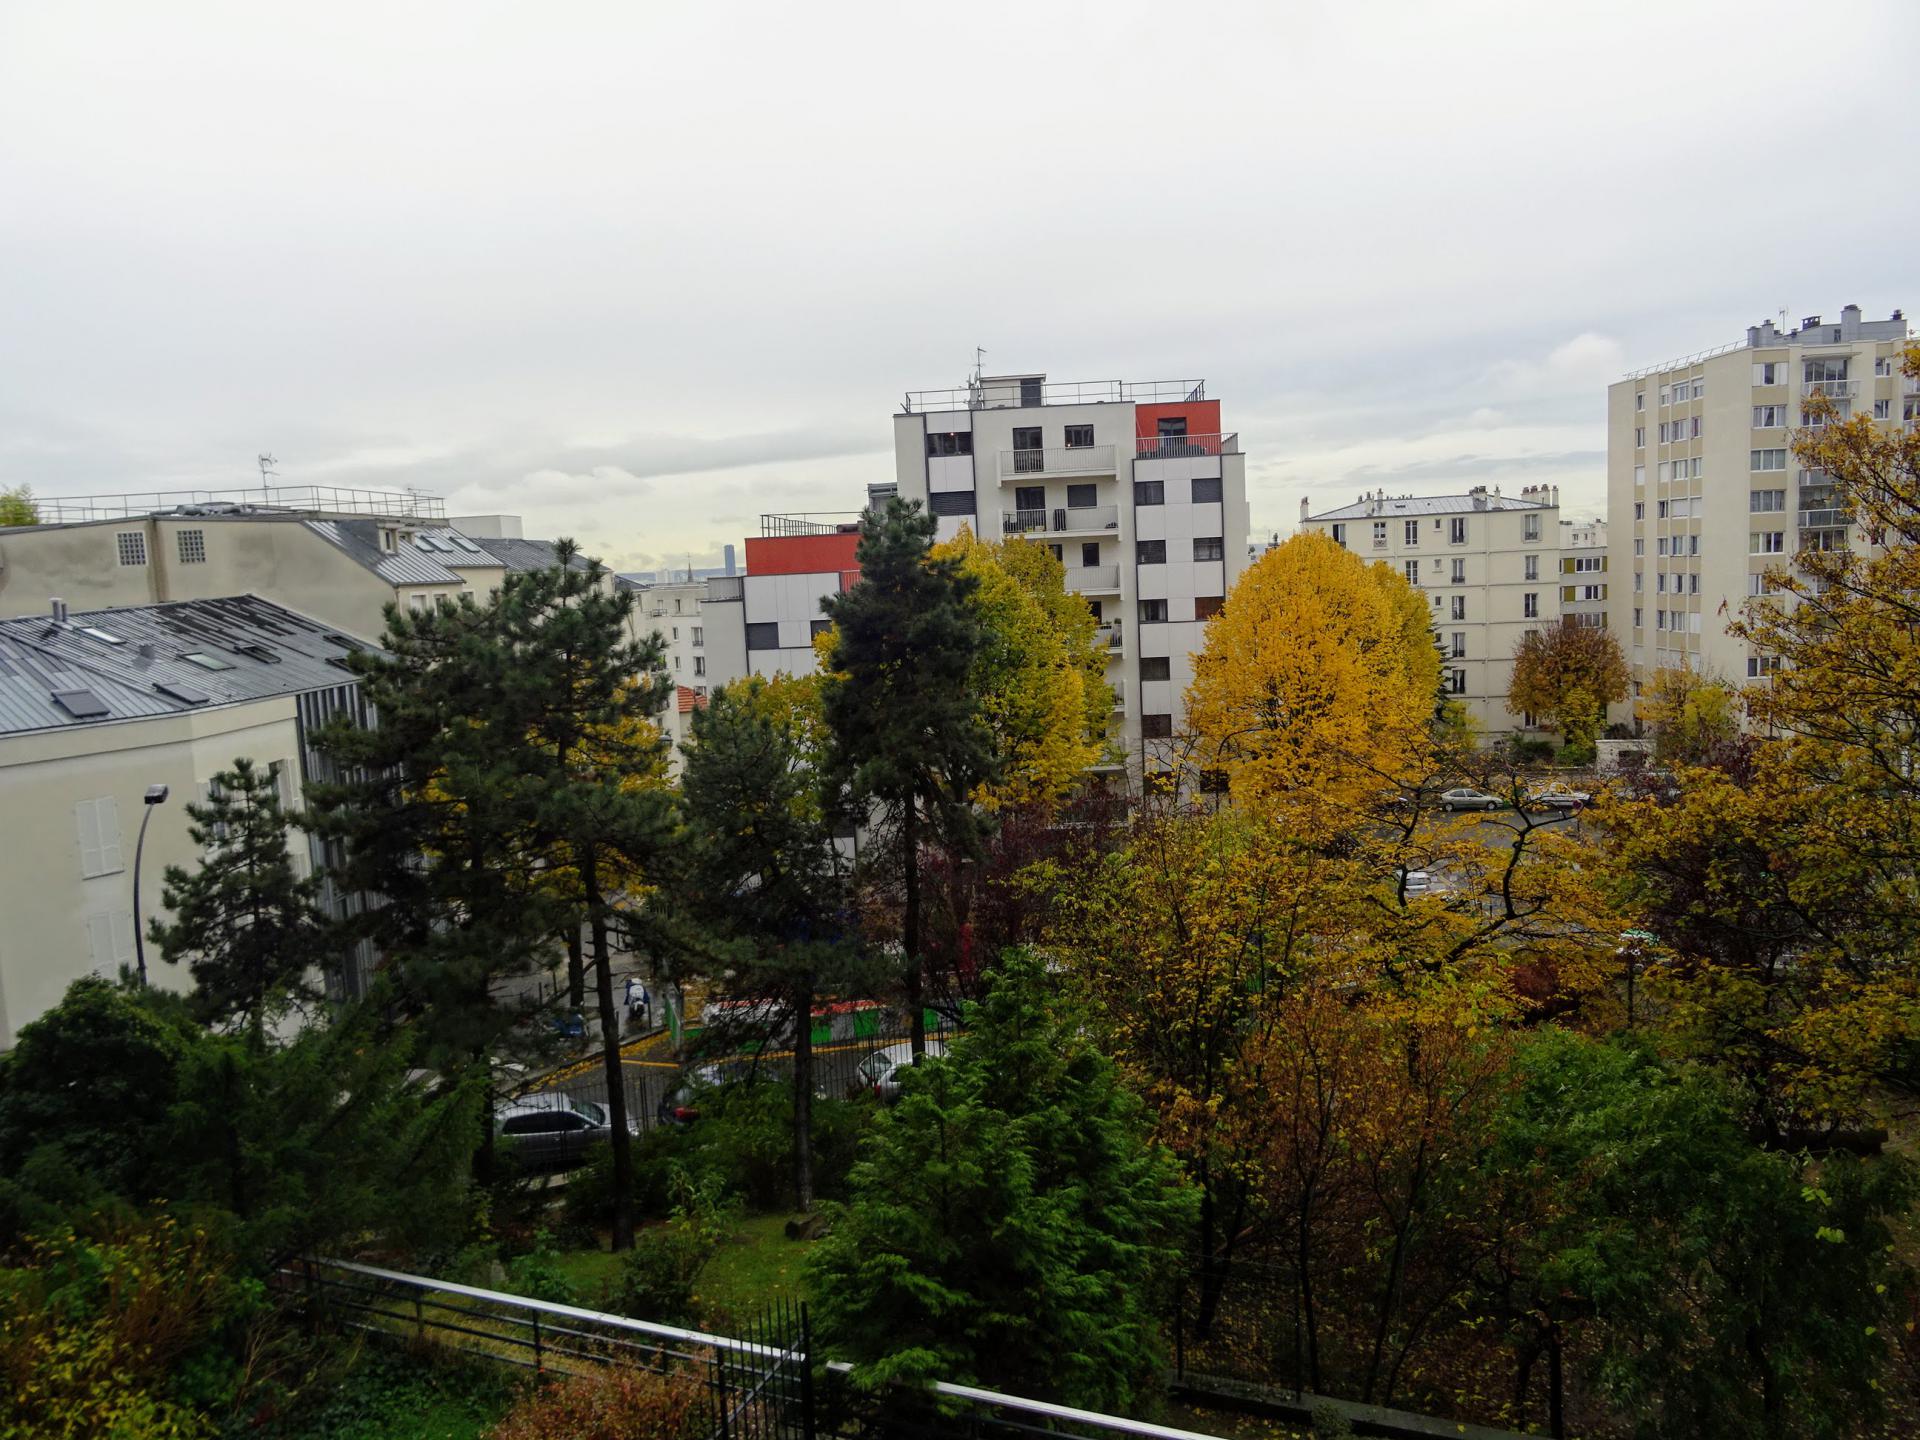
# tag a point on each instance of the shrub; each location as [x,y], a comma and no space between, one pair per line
[655,1280]
[1531,751]
[537,1276]
[610,1404]
[1330,1421]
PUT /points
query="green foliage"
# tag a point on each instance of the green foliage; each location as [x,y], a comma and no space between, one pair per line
[385,1392]
[656,1280]
[18,507]
[245,924]
[537,1276]
[1010,1222]
[611,1404]
[1530,752]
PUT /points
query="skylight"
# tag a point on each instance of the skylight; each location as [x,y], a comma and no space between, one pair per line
[257,652]
[80,704]
[99,634]
[206,661]
[185,694]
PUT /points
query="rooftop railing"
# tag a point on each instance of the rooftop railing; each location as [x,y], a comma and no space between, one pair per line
[243,500]
[1016,392]
[1176,447]
[813,522]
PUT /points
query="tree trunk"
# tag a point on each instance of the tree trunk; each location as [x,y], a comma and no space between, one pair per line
[576,971]
[1523,1379]
[610,1053]
[485,1159]
[1556,1387]
[910,854]
[1309,1317]
[803,1092]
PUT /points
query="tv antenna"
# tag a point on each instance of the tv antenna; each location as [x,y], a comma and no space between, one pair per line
[267,462]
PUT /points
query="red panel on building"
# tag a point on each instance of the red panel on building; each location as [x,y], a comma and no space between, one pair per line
[1202,417]
[801,554]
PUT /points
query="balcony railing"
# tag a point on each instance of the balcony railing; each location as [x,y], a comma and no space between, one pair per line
[1020,392]
[1834,389]
[1825,519]
[1177,447]
[812,522]
[1061,521]
[1082,578]
[1108,635]
[1066,460]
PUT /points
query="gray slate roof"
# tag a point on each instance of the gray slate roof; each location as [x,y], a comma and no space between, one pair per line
[39,657]
[529,554]
[409,562]
[1392,505]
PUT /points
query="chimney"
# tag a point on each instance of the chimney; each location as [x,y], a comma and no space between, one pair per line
[1849,314]
[1303,508]
[1809,321]
[59,612]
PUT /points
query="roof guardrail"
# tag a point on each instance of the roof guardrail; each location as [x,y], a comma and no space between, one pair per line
[1012,392]
[243,500]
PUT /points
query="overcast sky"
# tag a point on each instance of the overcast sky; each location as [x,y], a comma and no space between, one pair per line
[640,272]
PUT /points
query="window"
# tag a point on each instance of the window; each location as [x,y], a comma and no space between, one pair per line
[1530,531]
[1666,394]
[676,632]
[416,602]
[1639,509]
[1589,564]
[819,627]
[1459,644]
[1155,667]
[1150,552]
[1768,372]
[1413,532]
[1659,619]
[1090,552]
[1660,545]
[1640,400]
[1205,607]
[1639,617]
[1883,409]
[1883,366]
[676,662]
[1639,578]
[1152,492]
[1459,576]
[1767,542]
[699,664]
[1665,430]
[133,547]
[950,502]
[763,635]
[1763,500]
[1824,371]
[1153,612]
[1026,437]
[1693,584]
[1339,533]
[1767,460]
[1457,531]
[1082,497]
[1664,509]
[1533,567]
[1761,665]
[952,442]
[1768,417]
[1530,605]
[1156,727]
[1640,547]
[1693,428]
[1079,437]
[701,691]
[1457,681]
[99,826]
[1640,438]
[1660,583]
[1379,534]
[1206,490]
[192,546]
[676,610]
[1760,585]
[1028,457]
[1639,475]
[1412,569]
[1213,549]
[1459,611]
[699,634]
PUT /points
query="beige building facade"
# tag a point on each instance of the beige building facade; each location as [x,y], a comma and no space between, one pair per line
[1489,564]
[1704,493]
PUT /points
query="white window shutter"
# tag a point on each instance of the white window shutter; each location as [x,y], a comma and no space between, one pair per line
[87,821]
[108,811]
[100,943]
[122,939]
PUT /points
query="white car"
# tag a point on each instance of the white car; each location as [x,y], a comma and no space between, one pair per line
[880,1072]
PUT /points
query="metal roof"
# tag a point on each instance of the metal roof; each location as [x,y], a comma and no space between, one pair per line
[405,564]
[528,554]
[260,650]
[1389,506]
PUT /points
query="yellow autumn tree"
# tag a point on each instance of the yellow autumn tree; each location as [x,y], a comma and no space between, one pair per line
[1041,674]
[1318,682]
[1569,674]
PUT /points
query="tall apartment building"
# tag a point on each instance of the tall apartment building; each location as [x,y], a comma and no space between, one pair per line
[1133,486]
[1489,564]
[1703,492]
[1583,572]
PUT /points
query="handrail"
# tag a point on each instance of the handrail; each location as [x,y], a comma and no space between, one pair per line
[1178,447]
[1015,392]
[981,1396]
[243,500]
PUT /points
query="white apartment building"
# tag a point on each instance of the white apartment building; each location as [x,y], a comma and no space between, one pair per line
[1704,494]
[702,650]
[1489,564]
[1583,572]
[1133,486]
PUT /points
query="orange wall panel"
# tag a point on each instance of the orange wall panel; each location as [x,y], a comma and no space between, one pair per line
[801,554]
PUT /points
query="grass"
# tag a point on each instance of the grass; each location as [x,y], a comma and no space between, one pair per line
[757,1264]
[392,1393]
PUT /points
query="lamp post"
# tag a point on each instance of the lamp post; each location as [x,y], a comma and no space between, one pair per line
[156,795]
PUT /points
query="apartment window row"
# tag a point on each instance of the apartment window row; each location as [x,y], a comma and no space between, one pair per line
[949,442]
[1154,552]
[1672,432]
[761,635]
[1680,621]
[1681,391]
[1681,545]
[1770,417]
[1688,469]
[1767,542]
[1682,509]
[1205,607]
[1759,666]
[1826,370]
[1761,501]
[1205,491]
[1589,564]
[1767,459]
[1682,584]
[1762,585]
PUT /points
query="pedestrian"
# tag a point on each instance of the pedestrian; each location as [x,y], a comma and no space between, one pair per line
[646,1006]
[634,993]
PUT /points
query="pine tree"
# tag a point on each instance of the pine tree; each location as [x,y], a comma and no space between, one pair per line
[244,923]
[906,725]
[763,870]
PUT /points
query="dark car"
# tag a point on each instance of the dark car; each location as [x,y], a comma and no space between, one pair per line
[554,1132]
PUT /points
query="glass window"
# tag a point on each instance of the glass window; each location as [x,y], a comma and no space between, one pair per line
[1767,460]
[1760,501]
[1412,569]
[1529,604]
[193,547]
[1156,727]
[1533,567]
[1459,576]
[1413,532]
[1531,531]
[1155,667]
[1206,490]
[1150,552]
[763,635]
[1457,531]
[132,546]
[1082,497]
[1214,548]
[952,442]
[1153,612]
[1205,607]
[1459,610]
[1150,492]
[1079,437]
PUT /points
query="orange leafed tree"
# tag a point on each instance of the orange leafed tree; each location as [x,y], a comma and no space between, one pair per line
[1569,674]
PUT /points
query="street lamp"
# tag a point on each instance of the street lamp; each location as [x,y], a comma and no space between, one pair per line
[156,795]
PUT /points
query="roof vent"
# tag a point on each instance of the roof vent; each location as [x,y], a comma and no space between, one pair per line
[59,612]
[80,704]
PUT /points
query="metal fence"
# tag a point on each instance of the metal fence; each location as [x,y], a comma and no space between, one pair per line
[1239,1323]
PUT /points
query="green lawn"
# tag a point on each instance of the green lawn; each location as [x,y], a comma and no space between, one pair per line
[755,1265]
[393,1393]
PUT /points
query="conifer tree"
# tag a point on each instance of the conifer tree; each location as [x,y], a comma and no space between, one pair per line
[906,725]
[244,923]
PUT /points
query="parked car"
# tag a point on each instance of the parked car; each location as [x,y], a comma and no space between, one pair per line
[880,1072]
[1467,798]
[1557,796]
[1415,882]
[555,1132]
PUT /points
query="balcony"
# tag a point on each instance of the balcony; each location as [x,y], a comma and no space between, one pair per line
[1181,447]
[1108,636]
[1833,389]
[1019,392]
[1089,519]
[1068,460]
[1093,579]
[1824,519]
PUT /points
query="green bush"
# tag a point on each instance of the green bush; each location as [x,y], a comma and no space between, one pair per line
[655,1280]
[536,1274]
[1531,752]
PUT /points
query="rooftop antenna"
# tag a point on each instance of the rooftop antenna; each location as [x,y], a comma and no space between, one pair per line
[979,370]
[267,462]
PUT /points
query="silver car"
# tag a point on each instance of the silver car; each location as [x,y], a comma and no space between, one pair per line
[1467,798]
[880,1072]
[554,1132]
